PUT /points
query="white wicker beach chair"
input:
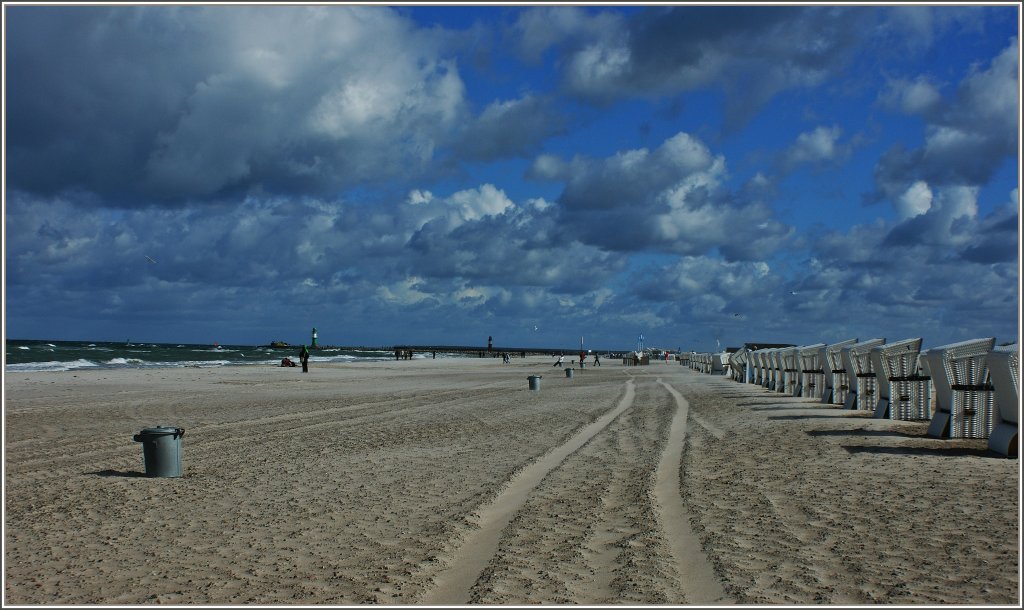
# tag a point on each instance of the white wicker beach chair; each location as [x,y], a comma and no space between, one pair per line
[758,364]
[811,374]
[751,372]
[902,390]
[718,364]
[924,367]
[860,375]
[778,381]
[764,355]
[965,402]
[737,364]
[834,389]
[774,378]
[1004,371]
[767,369]
[791,371]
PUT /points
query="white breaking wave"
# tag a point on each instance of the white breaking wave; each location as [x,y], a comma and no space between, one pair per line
[122,361]
[52,366]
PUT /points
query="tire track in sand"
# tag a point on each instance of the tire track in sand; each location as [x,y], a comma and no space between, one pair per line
[452,586]
[700,586]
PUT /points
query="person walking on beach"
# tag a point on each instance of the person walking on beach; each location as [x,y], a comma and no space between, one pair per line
[559,362]
[304,358]
[583,356]
[597,360]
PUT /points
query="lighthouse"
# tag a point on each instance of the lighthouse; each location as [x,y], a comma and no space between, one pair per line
[313,342]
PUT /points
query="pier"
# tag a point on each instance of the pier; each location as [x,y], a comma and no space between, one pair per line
[407,351]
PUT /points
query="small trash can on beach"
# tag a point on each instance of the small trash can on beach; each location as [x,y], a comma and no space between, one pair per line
[534,382]
[161,450]
[568,373]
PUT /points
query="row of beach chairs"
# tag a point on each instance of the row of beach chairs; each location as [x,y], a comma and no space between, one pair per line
[968,389]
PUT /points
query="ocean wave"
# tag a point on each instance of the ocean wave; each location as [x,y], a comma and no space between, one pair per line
[123,361]
[199,364]
[52,366]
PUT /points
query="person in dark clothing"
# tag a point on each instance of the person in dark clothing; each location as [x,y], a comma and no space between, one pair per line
[304,358]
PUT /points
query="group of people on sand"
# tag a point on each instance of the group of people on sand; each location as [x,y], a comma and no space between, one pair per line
[583,357]
[303,358]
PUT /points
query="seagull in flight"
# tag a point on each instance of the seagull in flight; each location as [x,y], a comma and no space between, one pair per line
[148,258]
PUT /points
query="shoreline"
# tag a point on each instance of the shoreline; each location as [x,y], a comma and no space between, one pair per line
[355,485]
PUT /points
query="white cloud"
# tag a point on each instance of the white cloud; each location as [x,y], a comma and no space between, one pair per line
[817,146]
[403,292]
[918,96]
[915,201]
[669,199]
[591,69]
[966,138]
[417,197]
[474,204]
[540,28]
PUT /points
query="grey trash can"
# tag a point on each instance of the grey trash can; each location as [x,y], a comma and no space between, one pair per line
[568,373]
[534,382]
[161,450]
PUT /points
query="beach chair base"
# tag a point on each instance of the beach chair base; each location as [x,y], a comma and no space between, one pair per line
[882,409]
[851,401]
[939,428]
[1003,439]
[826,396]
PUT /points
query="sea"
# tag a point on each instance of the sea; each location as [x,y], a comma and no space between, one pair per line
[34,355]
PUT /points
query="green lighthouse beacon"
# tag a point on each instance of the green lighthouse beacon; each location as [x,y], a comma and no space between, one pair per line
[313,343]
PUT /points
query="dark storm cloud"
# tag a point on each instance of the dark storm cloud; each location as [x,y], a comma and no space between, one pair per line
[313,100]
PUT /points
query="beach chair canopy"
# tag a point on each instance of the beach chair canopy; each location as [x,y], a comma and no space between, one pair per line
[964,401]
[902,391]
[857,362]
[1004,371]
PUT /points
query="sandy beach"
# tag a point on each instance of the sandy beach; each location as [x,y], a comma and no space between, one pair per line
[449,482]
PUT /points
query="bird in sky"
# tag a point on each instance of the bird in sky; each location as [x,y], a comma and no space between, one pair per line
[148,258]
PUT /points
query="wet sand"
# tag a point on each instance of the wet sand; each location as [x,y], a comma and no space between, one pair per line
[449,482]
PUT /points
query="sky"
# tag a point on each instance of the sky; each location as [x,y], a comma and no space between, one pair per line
[704,176]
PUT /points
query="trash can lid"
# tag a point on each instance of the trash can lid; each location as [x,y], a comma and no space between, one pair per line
[155,430]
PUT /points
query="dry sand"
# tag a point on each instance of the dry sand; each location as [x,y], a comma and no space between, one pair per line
[448,482]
